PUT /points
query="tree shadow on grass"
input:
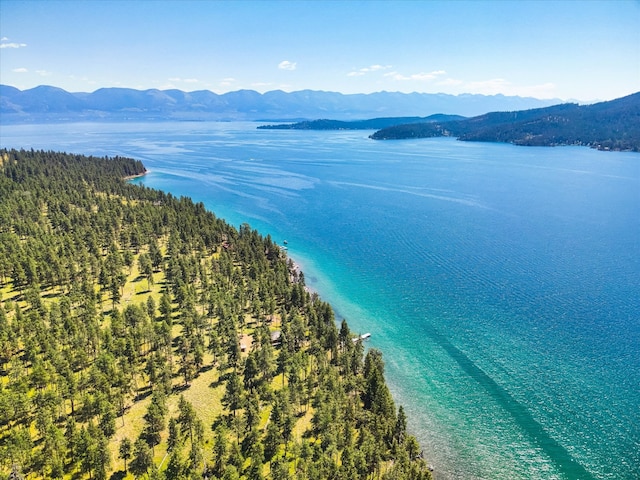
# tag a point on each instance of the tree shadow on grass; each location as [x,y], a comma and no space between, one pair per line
[142,394]
[180,388]
[119,475]
[50,295]
[206,368]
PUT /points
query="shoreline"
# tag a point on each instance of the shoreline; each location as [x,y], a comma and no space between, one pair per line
[295,272]
[296,269]
[138,175]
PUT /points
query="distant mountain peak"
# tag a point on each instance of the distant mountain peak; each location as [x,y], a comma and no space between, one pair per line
[48,103]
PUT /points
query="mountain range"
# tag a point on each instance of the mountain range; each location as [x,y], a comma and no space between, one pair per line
[52,104]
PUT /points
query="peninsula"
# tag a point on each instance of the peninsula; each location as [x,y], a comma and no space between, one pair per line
[141,335]
[612,125]
[371,124]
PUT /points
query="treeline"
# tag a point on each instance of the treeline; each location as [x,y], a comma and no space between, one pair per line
[142,336]
[613,125]
[370,124]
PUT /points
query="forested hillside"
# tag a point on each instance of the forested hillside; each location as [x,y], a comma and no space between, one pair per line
[370,124]
[141,336]
[613,125]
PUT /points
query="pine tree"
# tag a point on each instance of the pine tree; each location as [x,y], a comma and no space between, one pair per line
[142,458]
[125,451]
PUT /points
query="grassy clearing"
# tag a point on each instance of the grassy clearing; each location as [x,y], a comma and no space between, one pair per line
[205,394]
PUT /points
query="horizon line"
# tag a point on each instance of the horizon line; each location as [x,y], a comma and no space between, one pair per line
[561,100]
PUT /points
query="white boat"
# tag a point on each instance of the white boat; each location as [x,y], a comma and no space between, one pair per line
[364,336]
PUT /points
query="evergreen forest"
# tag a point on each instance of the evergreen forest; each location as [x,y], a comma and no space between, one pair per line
[371,124]
[142,337]
[612,125]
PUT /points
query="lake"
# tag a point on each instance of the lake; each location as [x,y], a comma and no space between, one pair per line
[501,283]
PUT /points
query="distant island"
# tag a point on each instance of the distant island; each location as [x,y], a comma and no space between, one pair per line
[612,125]
[371,124]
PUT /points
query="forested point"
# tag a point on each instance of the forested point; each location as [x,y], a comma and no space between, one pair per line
[612,125]
[142,337]
[370,124]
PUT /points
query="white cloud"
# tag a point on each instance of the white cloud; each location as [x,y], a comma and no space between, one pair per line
[227,82]
[420,77]
[12,44]
[287,65]
[492,86]
[363,71]
[43,73]
[497,86]
[20,70]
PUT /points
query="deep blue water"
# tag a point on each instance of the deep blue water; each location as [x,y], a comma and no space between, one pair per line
[502,283]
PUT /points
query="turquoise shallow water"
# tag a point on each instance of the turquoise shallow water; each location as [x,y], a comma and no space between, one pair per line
[502,283]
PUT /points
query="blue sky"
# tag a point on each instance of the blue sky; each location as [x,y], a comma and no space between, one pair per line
[583,50]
